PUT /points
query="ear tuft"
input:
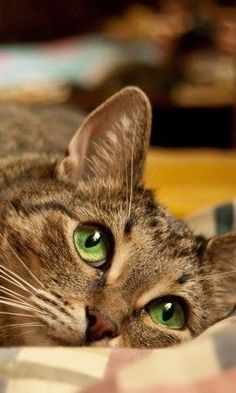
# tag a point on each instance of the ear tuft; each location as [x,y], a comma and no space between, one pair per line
[67,169]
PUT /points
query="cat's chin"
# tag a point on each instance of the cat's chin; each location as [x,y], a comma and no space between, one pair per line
[107,343]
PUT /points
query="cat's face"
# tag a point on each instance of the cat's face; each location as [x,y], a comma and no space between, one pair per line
[89,258]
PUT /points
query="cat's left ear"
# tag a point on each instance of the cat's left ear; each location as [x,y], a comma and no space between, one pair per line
[221,261]
[111,142]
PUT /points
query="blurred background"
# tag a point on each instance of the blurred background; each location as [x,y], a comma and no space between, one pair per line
[181,52]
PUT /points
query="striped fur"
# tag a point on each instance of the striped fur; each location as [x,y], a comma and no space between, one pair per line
[45,196]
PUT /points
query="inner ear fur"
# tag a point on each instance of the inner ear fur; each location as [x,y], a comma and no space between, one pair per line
[112,141]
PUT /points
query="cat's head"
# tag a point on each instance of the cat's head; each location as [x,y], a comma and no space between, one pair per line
[89,257]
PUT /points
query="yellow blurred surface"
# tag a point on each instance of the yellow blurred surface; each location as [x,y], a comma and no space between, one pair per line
[187,181]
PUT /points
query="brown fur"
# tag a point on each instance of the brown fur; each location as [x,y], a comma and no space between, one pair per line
[45,196]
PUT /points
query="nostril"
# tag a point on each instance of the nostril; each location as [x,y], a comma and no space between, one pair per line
[90,317]
[108,334]
[99,326]
[92,320]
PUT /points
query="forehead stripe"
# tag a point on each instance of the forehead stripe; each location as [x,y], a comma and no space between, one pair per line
[183,278]
[32,209]
[129,225]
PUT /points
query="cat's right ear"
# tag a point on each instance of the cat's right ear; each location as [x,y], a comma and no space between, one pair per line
[111,142]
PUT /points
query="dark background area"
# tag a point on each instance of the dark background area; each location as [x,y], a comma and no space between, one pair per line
[193,127]
[174,126]
[36,20]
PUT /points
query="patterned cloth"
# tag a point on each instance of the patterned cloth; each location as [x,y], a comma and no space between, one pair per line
[205,365]
[217,220]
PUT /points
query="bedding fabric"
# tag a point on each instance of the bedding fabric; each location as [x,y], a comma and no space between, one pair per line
[205,365]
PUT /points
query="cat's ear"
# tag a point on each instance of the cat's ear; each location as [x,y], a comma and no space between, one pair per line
[221,260]
[111,142]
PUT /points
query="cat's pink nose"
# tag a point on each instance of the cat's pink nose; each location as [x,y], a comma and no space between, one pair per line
[99,326]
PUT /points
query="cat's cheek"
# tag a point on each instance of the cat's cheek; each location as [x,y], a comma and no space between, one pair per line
[38,340]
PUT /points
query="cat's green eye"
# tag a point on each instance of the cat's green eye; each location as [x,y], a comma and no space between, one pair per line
[168,312]
[92,244]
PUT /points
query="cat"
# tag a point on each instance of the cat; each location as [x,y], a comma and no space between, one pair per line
[87,255]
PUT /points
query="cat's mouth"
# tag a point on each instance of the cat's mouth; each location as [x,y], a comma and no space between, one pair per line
[105,343]
[58,341]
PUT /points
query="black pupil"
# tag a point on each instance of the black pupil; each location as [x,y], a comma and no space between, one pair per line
[168,312]
[92,240]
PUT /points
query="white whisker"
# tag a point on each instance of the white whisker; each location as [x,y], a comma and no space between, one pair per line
[17,277]
[21,324]
[126,173]
[17,314]
[16,305]
[143,192]
[23,264]
[14,282]
[23,305]
[215,275]
[27,331]
[132,170]
[12,293]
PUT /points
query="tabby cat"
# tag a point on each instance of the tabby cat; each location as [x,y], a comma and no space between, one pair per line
[87,255]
